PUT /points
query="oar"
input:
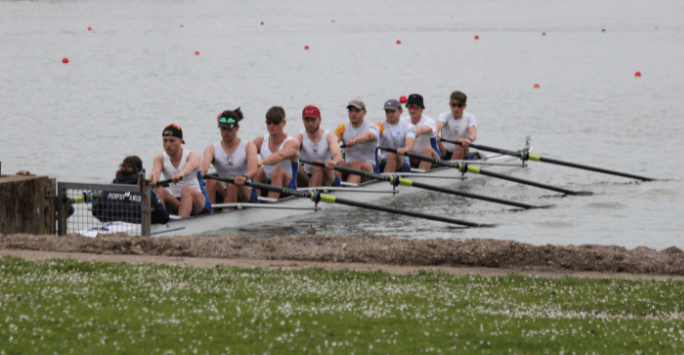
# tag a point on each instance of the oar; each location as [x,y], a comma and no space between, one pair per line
[166,183]
[527,156]
[396,180]
[474,170]
[91,196]
[317,196]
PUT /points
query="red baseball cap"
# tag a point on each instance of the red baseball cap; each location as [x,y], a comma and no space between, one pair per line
[311,111]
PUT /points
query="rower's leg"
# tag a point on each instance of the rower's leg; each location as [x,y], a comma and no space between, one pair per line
[316,175]
[426,165]
[231,195]
[260,177]
[214,187]
[303,179]
[442,150]
[192,202]
[165,197]
[279,177]
[359,165]
[328,177]
[459,153]
[391,165]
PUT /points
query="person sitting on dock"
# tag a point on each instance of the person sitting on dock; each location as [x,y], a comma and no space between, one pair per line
[396,134]
[319,145]
[279,154]
[426,132]
[186,196]
[233,158]
[361,139]
[456,125]
[126,207]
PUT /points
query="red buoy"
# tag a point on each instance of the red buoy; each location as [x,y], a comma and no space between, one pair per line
[65,60]
[196,52]
[477,37]
[637,74]
[543,33]
[536,86]
[398,41]
[306,47]
[181,25]
[403,99]
[90,28]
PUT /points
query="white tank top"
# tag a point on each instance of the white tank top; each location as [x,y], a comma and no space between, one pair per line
[189,180]
[265,153]
[312,151]
[228,166]
[455,128]
[363,151]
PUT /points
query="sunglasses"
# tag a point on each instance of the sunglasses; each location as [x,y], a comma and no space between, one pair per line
[273,122]
[412,106]
[456,105]
[224,120]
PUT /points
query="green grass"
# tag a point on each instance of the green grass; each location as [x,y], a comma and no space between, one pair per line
[65,306]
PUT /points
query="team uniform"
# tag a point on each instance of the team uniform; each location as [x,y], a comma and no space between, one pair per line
[455,128]
[313,151]
[394,136]
[365,152]
[233,165]
[290,166]
[425,139]
[194,179]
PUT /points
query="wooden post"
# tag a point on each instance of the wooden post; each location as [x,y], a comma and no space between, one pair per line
[146,218]
[26,204]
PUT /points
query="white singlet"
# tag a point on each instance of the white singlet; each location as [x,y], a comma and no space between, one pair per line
[425,139]
[361,151]
[265,153]
[229,166]
[452,131]
[394,136]
[188,180]
[312,151]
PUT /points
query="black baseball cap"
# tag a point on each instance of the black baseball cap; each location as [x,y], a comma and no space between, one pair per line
[173,130]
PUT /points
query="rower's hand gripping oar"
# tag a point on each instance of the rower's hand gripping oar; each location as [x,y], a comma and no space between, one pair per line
[317,197]
[464,168]
[395,180]
[525,156]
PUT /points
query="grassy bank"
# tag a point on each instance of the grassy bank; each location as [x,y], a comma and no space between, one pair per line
[65,306]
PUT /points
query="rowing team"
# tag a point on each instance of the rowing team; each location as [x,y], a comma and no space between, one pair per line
[280,153]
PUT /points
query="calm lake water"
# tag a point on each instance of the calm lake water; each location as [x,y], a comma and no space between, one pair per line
[137,71]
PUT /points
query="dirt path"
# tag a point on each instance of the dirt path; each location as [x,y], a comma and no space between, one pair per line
[366,252]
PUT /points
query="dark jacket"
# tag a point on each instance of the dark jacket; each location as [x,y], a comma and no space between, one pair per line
[126,206]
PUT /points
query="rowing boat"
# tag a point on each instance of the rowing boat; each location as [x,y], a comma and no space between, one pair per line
[290,208]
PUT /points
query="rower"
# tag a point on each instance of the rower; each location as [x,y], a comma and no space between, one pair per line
[396,134]
[361,139]
[426,141]
[279,154]
[233,158]
[186,196]
[319,145]
[458,125]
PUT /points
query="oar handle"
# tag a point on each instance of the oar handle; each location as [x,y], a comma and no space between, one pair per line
[353,171]
[166,183]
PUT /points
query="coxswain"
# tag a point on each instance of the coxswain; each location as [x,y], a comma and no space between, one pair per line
[361,140]
[319,145]
[457,125]
[232,157]
[279,154]
[396,134]
[426,132]
[186,196]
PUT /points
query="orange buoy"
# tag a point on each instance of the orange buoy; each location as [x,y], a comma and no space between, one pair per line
[333,20]
[543,33]
[196,52]
[656,27]
[90,28]
[477,37]
[452,16]
[403,99]
[65,60]
[637,74]
[536,86]
[182,26]
[398,41]
[306,47]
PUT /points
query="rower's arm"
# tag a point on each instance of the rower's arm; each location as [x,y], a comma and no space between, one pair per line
[472,133]
[424,129]
[158,165]
[290,151]
[252,160]
[207,159]
[408,147]
[440,125]
[258,141]
[334,145]
[192,163]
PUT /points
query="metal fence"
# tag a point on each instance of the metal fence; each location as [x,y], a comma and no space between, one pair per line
[91,209]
